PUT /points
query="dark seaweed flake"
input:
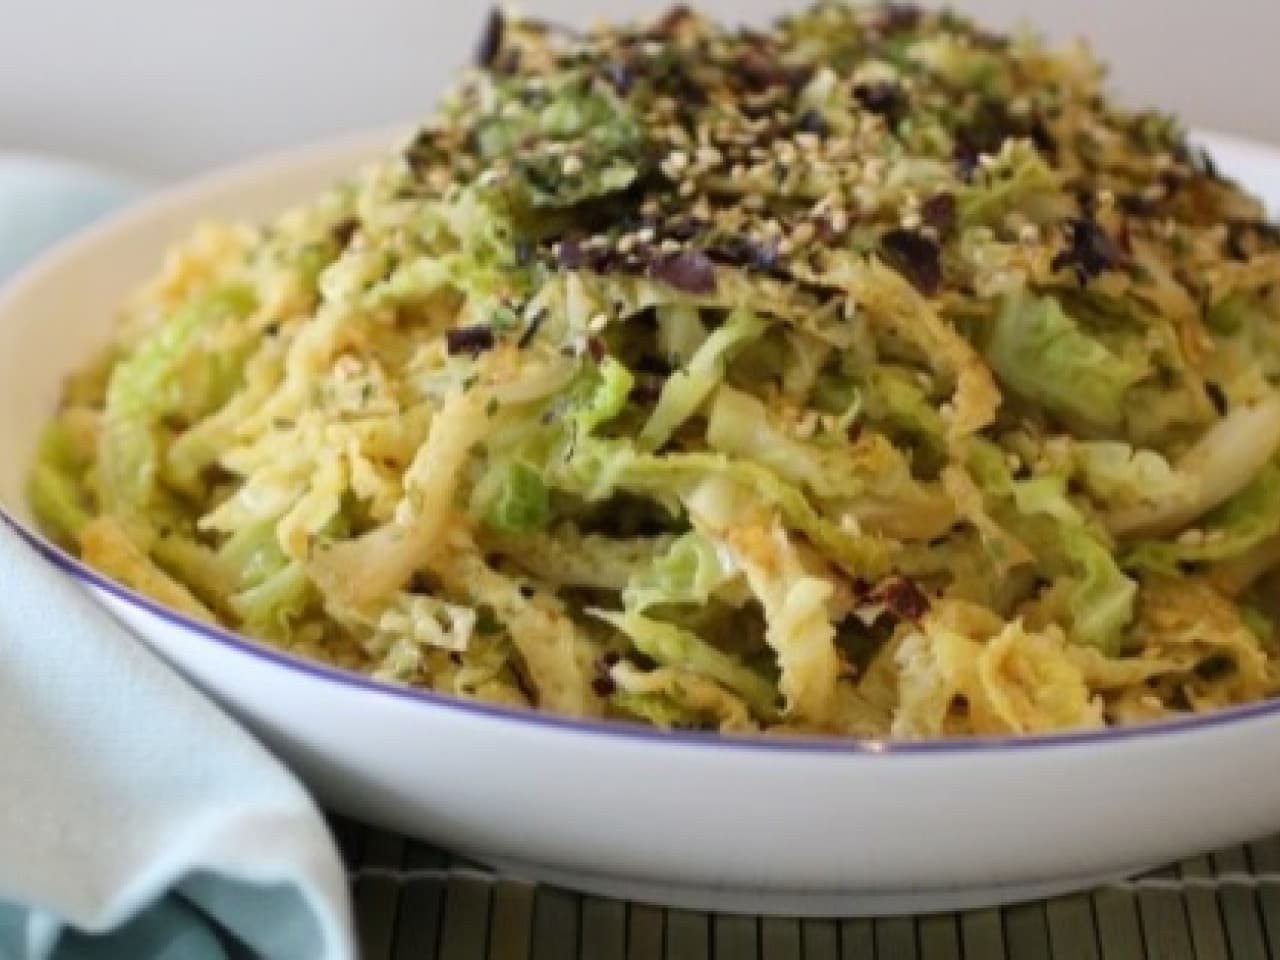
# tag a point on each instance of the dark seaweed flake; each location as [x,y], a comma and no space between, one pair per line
[490,44]
[690,271]
[916,257]
[472,340]
[903,598]
[1090,251]
[883,98]
[939,212]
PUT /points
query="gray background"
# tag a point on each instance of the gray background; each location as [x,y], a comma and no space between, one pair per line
[166,87]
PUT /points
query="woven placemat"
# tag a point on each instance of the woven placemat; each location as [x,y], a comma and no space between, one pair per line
[414,902]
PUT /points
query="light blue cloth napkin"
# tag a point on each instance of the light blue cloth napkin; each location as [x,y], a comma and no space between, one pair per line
[43,199]
[134,815]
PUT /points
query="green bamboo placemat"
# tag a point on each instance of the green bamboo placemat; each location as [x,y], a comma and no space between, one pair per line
[414,902]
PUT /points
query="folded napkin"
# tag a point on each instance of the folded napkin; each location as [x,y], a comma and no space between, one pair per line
[137,821]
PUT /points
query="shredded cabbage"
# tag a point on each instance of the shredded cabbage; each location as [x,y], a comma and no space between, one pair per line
[875,376]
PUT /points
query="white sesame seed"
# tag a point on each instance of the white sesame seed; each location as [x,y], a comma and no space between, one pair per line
[803,233]
[598,322]
[911,221]
[709,156]
[807,426]
[1029,234]
[1191,538]
[572,166]
[347,367]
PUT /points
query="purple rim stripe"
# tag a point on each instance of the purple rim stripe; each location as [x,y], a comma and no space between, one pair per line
[1268,709]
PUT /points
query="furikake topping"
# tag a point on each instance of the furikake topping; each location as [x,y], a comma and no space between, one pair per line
[660,150]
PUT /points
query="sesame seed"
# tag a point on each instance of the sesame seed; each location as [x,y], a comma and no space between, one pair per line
[803,233]
[598,322]
[1191,538]
[911,221]
[709,156]
[677,161]
[572,166]
[1029,234]
[807,426]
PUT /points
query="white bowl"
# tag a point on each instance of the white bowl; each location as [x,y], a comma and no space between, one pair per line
[800,827]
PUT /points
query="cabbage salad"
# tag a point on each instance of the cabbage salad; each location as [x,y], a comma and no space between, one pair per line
[875,375]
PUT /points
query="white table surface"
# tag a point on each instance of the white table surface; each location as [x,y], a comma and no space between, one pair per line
[167,87]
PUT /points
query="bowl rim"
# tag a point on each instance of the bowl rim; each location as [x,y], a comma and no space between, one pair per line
[281,161]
